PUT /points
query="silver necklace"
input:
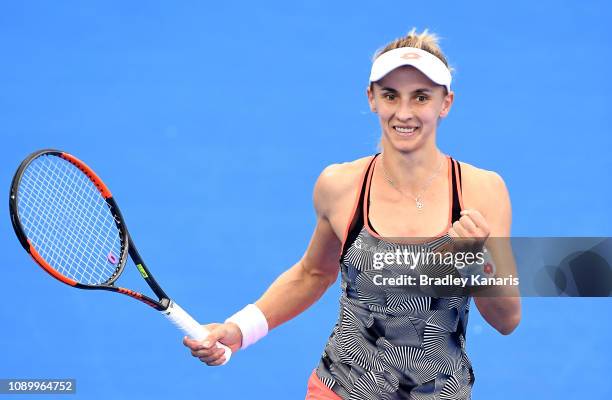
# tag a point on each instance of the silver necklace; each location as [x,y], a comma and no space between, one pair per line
[418,199]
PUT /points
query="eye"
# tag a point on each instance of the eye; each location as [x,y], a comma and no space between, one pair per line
[421,98]
[388,96]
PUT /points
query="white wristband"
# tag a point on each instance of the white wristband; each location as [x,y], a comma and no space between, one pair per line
[252,324]
[486,267]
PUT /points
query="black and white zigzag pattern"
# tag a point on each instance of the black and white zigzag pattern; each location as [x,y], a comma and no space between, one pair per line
[391,344]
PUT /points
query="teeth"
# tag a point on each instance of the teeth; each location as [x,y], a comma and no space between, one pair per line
[404,130]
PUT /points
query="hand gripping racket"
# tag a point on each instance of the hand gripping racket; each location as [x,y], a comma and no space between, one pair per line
[67,219]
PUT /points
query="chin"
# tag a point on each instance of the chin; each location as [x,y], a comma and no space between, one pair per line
[405,145]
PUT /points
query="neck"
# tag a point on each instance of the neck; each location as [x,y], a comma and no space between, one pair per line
[410,171]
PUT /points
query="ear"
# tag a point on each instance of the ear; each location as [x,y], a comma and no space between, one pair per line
[447,103]
[371,100]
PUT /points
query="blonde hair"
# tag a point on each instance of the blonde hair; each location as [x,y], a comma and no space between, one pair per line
[425,41]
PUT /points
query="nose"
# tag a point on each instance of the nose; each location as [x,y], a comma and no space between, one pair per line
[404,111]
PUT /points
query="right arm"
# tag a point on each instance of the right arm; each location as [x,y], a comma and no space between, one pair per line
[305,282]
[298,287]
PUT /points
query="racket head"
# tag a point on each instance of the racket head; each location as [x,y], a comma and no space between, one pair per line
[67,219]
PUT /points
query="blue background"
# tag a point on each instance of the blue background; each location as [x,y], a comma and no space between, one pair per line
[210,123]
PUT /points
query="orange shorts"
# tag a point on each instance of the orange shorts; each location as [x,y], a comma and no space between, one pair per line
[318,391]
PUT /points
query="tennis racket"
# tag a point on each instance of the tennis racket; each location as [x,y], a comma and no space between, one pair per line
[67,220]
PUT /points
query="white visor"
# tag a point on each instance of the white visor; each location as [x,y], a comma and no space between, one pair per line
[422,60]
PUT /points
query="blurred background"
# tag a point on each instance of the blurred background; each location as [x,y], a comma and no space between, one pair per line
[210,122]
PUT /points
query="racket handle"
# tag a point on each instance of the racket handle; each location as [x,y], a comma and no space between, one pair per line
[190,326]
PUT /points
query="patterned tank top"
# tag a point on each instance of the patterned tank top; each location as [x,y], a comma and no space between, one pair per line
[387,342]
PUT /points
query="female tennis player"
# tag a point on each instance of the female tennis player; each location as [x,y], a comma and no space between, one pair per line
[388,343]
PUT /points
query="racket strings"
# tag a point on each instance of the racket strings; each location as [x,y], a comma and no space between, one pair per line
[68,221]
[72,243]
[73,230]
[53,228]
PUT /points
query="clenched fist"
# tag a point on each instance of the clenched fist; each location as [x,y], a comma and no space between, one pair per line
[470,232]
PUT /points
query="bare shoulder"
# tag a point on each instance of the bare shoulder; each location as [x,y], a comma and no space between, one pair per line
[486,191]
[337,182]
[482,178]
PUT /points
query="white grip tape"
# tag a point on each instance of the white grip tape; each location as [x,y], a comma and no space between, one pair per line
[190,326]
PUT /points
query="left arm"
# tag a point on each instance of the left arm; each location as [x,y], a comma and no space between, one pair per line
[502,311]
[501,307]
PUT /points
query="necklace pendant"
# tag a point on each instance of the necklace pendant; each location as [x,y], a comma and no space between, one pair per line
[419,204]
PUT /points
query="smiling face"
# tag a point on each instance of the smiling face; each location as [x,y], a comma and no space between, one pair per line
[409,106]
